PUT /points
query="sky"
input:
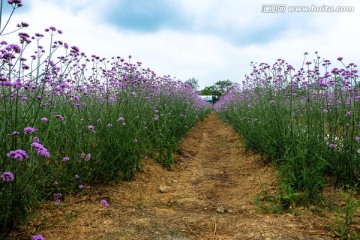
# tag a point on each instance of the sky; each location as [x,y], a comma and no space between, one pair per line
[210,40]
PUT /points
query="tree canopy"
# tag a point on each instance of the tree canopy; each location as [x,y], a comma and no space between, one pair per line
[218,89]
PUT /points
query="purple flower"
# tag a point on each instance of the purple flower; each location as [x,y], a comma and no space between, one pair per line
[15,133]
[339,58]
[109,125]
[91,127]
[57,201]
[58,116]
[7,177]
[88,157]
[104,203]
[81,186]
[29,130]
[18,2]
[331,145]
[357,138]
[18,154]
[65,159]
[325,111]
[289,67]
[41,150]
[56,183]
[75,49]
[24,24]
[44,152]
[120,119]
[58,195]
[37,237]
[44,119]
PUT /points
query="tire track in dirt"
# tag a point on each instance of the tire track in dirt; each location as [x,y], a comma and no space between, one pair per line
[208,194]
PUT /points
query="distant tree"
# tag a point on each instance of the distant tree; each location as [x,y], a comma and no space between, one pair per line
[206,91]
[218,89]
[223,87]
[193,83]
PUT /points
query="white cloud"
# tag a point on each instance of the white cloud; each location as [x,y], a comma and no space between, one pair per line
[206,55]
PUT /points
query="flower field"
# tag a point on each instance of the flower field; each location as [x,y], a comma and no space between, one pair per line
[69,119]
[306,121]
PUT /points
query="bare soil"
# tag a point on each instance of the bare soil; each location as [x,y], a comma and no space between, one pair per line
[208,194]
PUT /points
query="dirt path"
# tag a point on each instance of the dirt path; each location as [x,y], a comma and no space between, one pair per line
[209,194]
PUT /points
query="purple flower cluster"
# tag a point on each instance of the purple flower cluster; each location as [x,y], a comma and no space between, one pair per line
[37,237]
[22,25]
[7,177]
[58,116]
[15,133]
[58,196]
[317,110]
[41,150]
[104,203]
[91,128]
[14,1]
[18,154]
[62,85]
[29,130]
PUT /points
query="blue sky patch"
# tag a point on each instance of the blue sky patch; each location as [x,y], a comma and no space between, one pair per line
[155,15]
[7,8]
[145,16]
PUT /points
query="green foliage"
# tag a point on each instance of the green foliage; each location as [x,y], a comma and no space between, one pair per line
[94,126]
[219,88]
[206,91]
[268,203]
[279,202]
[348,215]
[309,131]
[124,132]
[222,87]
